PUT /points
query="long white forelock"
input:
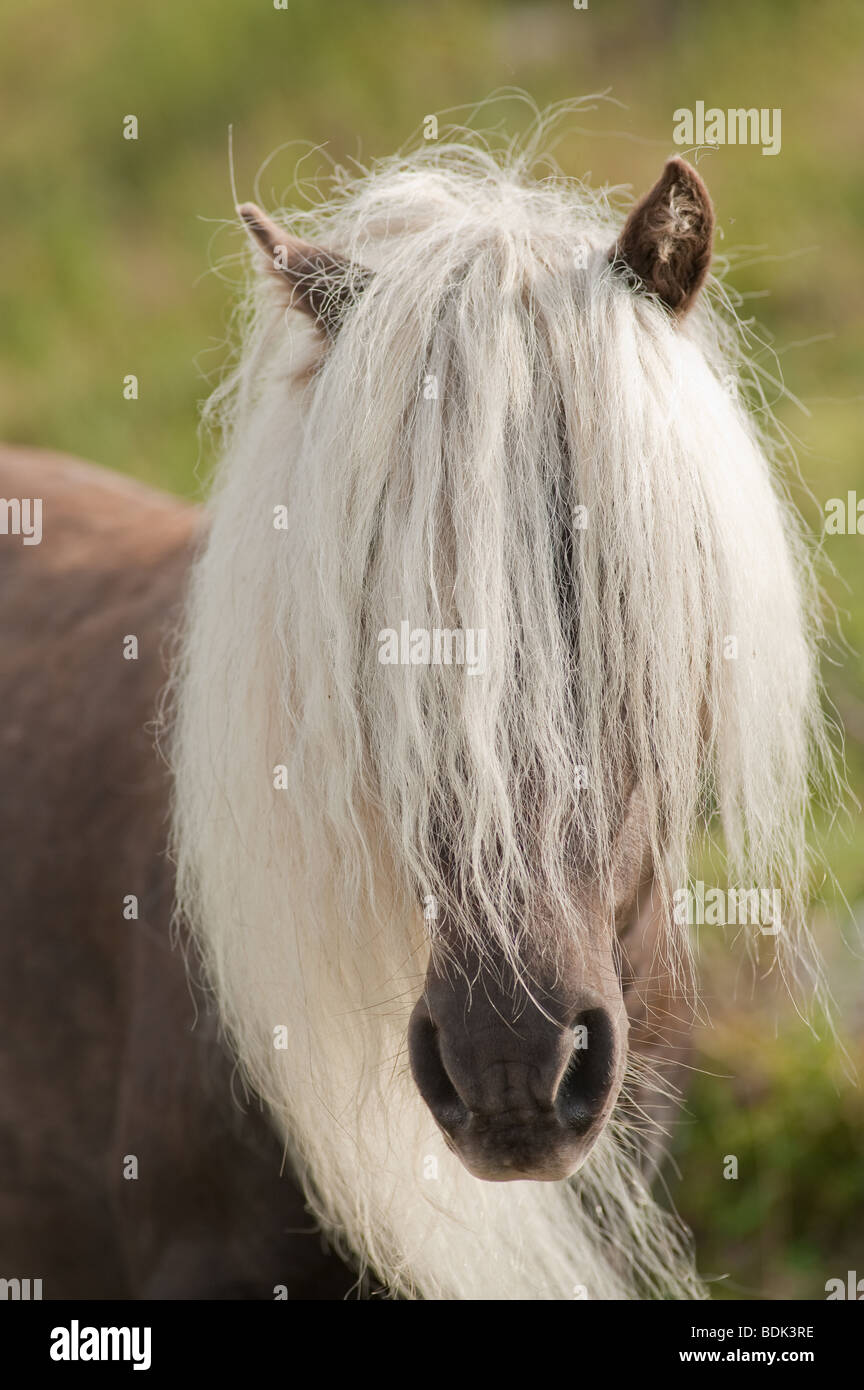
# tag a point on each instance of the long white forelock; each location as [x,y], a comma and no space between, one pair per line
[488,383]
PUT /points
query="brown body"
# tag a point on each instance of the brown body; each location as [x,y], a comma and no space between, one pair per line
[107,1052]
[105,1049]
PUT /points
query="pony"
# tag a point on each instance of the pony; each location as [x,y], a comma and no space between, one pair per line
[423,907]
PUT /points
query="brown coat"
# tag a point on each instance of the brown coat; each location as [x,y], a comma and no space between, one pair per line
[106,1051]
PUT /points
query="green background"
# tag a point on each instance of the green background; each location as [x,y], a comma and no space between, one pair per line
[121,257]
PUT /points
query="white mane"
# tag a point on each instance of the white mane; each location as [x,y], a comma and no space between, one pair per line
[496,375]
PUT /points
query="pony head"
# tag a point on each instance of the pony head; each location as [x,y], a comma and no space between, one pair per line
[458,693]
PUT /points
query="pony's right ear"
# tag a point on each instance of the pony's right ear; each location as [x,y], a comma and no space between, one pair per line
[320,283]
[666,240]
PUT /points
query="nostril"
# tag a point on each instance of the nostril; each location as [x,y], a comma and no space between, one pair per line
[430,1074]
[588,1079]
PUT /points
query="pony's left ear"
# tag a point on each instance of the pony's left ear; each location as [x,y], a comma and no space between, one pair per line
[321,284]
[666,241]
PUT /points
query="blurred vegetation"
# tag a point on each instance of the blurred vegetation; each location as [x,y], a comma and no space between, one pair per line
[106,245]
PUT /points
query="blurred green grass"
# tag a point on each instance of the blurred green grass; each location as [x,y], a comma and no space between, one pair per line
[106,246]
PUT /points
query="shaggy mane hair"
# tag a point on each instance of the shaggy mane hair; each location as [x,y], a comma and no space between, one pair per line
[496,376]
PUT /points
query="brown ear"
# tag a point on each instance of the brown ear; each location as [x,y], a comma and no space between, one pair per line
[321,284]
[666,241]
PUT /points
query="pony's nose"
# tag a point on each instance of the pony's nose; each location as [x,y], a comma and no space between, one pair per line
[519,1102]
